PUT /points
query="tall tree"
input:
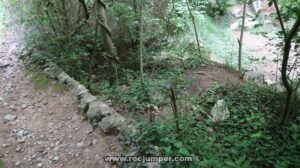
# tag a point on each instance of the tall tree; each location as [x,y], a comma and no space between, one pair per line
[141,43]
[194,24]
[107,37]
[240,41]
[287,40]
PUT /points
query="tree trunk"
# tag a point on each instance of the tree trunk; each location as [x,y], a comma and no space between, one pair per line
[92,56]
[141,43]
[175,108]
[241,39]
[106,33]
[279,18]
[194,24]
[286,54]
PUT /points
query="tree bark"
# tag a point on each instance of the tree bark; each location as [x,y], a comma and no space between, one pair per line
[194,24]
[107,37]
[241,39]
[286,54]
[141,43]
[92,55]
[279,18]
[175,108]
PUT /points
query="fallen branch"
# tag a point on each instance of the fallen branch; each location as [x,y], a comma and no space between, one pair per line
[203,73]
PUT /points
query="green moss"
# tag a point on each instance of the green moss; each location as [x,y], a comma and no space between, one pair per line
[41,81]
[2,164]
[58,87]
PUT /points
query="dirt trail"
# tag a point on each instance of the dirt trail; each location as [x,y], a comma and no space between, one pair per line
[261,48]
[41,128]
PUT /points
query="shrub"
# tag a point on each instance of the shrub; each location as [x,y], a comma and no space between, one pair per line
[247,139]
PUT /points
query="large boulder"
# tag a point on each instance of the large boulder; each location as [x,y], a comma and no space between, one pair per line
[112,124]
[220,111]
[98,110]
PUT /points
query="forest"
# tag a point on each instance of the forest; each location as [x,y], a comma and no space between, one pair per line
[213,81]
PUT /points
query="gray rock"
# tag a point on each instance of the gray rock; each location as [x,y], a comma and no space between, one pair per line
[257,6]
[56,158]
[80,144]
[94,142]
[12,107]
[72,82]
[220,111]
[18,163]
[49,65]
[21,139]
[98,110]
[52,72]
[127,129]
[257,78]
[3,65]
[62,77]
[269,82]
[40,165]
[10,117]
[111,124]
[24,106]
[80,90]
[235,26]
[18,149]
[85,101]
[5,145]
[237,13]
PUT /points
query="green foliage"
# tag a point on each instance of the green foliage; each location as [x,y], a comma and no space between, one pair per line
[212,8]
[59,87]
[2,164]
[130,94]
[41,81]
[38,78]
[249,138]
[290,8]
[218,41]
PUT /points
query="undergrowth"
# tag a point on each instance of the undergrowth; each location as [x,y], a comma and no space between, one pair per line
[1,164]
[249,138]
[41,81]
